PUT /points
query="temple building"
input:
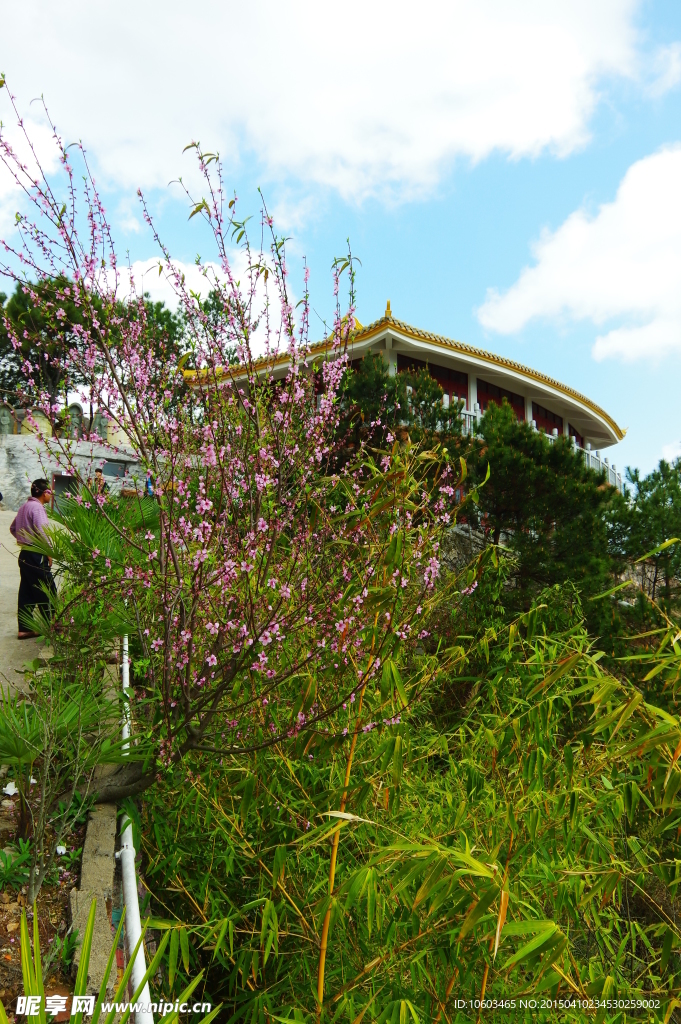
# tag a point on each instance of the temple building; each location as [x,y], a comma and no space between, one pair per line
[477,378]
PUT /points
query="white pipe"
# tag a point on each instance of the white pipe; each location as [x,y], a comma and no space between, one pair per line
[133,927]
[126,680]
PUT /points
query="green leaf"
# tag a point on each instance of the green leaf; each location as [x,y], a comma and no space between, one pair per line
[532,947]
[565,666]
[429,882]
[656,551]
[613,590]
[77,1019]
[184,946]
[666,949]
[371,898]
[279,866]
[247,797]
[671,790]
[569,758]
[80,987]
[357,888]
[527,927]
[477,910]
[399,685]
[27,971]
[397,761]
[203,205]
[174,950]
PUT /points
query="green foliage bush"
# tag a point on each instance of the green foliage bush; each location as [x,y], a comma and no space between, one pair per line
[541,818]
[655,517]
[379,405]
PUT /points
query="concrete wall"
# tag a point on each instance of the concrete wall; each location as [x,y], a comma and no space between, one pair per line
[23,458]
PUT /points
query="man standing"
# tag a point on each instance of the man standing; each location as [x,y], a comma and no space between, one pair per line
[100,484]
[28,526]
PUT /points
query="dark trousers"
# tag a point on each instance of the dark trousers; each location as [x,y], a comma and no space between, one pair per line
[35,576]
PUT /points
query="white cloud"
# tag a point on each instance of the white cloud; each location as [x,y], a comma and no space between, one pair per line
[143,277]
[665,67]
[129,216]
[43,155]
[366,97]
[622,264]
[672,452]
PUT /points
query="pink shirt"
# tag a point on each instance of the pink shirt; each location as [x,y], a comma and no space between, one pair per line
[28,522]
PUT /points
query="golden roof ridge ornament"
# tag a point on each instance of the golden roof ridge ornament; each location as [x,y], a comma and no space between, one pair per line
[388,313]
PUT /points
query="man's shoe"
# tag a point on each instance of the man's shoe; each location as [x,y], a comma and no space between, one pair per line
[26,634]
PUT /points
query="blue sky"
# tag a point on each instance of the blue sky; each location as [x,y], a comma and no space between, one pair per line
[508,174]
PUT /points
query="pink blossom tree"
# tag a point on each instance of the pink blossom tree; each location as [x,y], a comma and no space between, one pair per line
[269,579]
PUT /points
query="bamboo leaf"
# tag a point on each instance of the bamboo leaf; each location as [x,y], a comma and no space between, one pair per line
[631,706]
[346,816]
[666,949]
[371,899]
[534,946]
[174,951]
[503,907]
[184,946]
[674,759]
[80,986]
[397,761]
[671,790]
[38,965]
[399,685]
[27,972]
[107,974]
[477,910]
[566,666]
[613,590]
[658,549]
[429,883]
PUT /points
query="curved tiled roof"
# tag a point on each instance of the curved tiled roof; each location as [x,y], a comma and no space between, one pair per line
[362,334]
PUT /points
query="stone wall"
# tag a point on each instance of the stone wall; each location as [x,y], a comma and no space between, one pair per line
[23,458]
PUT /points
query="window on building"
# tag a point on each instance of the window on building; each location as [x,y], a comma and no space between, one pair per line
[573,432]
[546,420]
[490,394]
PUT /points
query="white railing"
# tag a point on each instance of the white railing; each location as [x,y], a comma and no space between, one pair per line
[470,421]
[594,461]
